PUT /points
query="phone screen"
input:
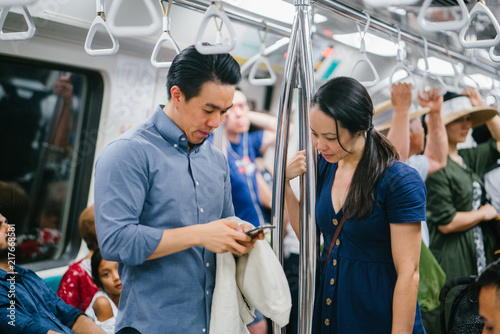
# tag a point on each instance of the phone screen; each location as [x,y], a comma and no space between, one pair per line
[254,232]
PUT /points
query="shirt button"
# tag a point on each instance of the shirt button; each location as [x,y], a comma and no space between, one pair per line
[334,262]
[328,301]
[197,183]
[183,139]
[327,322]
[175,145]
[203,330]
[201,210]
[208,264]
[332,281]
[208,292]
[335,222]
[337,242]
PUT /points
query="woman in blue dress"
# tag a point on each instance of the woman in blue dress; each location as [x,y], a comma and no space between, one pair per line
[369,284]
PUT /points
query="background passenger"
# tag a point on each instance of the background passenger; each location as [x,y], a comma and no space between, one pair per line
[104,306]
[371,275]
[76,287]
[460,232]
[248,187]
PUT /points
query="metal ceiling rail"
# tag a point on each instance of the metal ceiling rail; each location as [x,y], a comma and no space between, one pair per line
[381,26]
[240,15]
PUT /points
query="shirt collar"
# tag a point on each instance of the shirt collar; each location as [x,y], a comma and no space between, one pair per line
[19,270]
[170,131]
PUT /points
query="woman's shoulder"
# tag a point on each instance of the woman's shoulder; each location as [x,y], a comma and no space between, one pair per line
[399,176]
[399,168]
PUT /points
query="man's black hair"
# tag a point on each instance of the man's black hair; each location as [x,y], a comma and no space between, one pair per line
[191,69]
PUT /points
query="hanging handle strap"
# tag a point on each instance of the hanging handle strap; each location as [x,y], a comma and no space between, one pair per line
[11,36]
[262,60]
[400,64]
[447,25]
[127,31]
[363,58]
[334,240]
[480,8]
[165,37]
[215,10]
[100,21]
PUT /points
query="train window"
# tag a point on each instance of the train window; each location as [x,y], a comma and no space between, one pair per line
[49,117]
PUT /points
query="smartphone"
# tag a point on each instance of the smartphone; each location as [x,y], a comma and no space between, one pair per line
[254,232]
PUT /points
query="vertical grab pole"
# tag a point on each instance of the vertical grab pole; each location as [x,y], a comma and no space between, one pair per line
[280,157]
[298,74]
[308,249]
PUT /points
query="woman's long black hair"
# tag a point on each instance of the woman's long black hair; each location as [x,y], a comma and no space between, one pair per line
[349,104]
[94,264]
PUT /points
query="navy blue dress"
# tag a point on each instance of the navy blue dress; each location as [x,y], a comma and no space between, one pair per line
[355,293]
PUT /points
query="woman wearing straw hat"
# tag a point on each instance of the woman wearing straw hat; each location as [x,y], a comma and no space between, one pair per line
[460,234]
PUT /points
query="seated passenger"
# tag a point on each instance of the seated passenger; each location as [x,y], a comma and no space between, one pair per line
[27,304]
[104,305]
[76,287]
[461,237]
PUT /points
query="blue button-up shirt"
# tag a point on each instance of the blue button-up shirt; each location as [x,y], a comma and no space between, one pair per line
[29,306]
[147,181]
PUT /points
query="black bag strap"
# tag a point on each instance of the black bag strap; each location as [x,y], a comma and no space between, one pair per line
[335,237]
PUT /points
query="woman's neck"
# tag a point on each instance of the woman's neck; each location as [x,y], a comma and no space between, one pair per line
[453,153]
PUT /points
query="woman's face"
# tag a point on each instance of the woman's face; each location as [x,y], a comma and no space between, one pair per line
[458,129]
[326,139]
[108,274]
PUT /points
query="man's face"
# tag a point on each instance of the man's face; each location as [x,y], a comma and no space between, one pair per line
[237,118]
[202,114]
[489,310]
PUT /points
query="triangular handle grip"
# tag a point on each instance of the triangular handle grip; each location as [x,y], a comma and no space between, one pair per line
[214,11]
[438,26]
[11,36]
[125,31]
[364,59]
[428,76]
[493,56]
[99,22]
[262,81]
[165,37]
[479,8]
[402,67]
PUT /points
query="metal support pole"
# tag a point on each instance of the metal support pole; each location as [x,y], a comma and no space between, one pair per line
[298,70]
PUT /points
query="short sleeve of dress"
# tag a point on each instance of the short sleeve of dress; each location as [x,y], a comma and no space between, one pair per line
[440,206]
[405,194]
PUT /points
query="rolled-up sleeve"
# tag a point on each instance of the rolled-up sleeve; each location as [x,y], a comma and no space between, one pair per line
[121,185]
[440,207]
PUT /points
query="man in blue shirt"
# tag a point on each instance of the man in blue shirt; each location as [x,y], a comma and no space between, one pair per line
[27,304]
[161,193]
